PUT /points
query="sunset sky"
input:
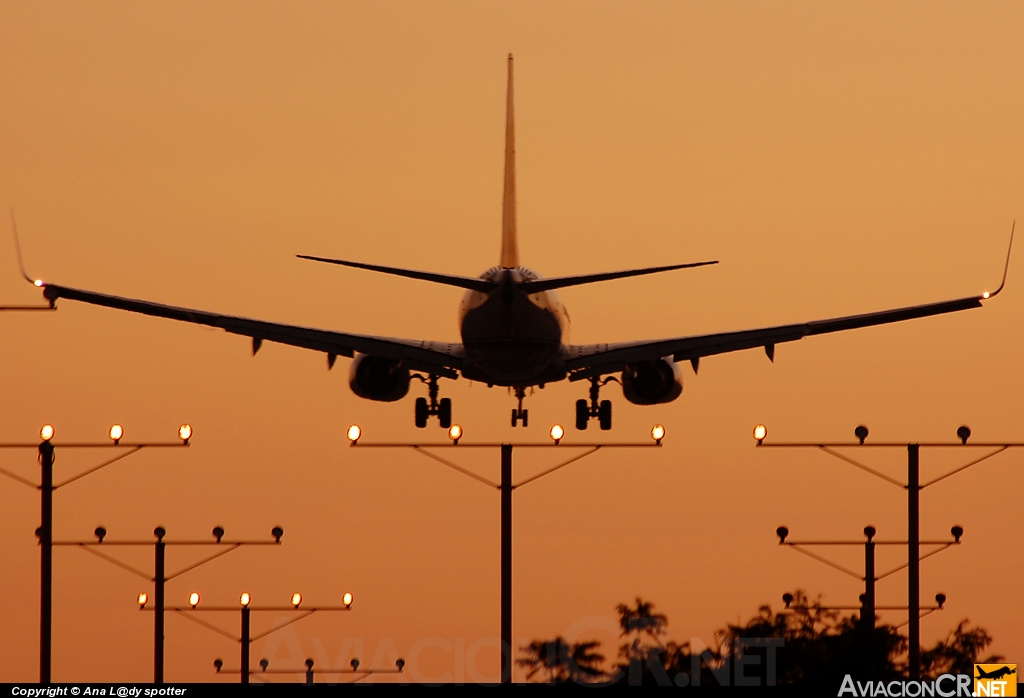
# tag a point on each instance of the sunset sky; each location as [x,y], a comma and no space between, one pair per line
[837,159]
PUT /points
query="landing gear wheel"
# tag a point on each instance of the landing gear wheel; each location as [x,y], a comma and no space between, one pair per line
[526,417]
[604,415]
[582,414]
[515,417]
[422,412]
[444,412]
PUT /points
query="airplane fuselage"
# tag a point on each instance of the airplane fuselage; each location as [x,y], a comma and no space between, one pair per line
[511,337]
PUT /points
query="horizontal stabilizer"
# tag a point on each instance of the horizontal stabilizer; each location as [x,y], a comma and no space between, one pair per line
[564,281]
[481,285]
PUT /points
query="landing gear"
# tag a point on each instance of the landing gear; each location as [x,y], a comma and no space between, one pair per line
[424,409]
[582,414]
[519,412]
[602,409]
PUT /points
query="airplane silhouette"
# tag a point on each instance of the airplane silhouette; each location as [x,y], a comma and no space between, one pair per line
[513,325]
[996,674]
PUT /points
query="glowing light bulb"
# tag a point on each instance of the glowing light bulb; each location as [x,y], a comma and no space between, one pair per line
[115,433]
[143,599]
[296,599]
[346,599]
[556,433]
[46,433]
[185,432]
[657,433]
[354,432]
[244,598]
[455,433]
[760,431]
[193,599]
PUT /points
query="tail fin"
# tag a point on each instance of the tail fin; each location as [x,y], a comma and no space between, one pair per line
[509,245]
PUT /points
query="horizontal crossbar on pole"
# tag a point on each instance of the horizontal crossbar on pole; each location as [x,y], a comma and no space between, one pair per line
[862,542]
[237,608]
[893,444]
[161,444]
[108,543]
[645,444]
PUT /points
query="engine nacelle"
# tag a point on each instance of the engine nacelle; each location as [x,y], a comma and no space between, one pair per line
[378,378]
[652,382]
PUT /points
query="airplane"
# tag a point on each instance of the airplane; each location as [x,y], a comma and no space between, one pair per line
[513,328]
[995,674]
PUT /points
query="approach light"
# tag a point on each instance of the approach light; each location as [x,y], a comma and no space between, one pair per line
[958,532]
[244,599]
[218,664]
[940,599]
[354,432]
[787,599]
[556,433]
[185,432]
[277,532]
[354,664]
[115,433]
[455,433]
[46,433]
[657,433]
[193,599]
[760,431]
[869,532]
[346,600]
[143,599]
[100,533]
[861,433]
[964,433]
[264,663]
[296,599]
[782,532]
[400,663]
[218,533]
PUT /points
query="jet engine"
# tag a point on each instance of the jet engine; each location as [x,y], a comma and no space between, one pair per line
[652,382]
[378,378]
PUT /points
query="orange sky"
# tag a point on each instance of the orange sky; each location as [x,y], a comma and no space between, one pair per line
[835,158]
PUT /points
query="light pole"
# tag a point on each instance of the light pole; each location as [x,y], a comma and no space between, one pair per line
[160,576]
[46,488]
[505,488]
[940,601]
[245,609]
[913,488]
[246,638]
[868,606]
[218,665]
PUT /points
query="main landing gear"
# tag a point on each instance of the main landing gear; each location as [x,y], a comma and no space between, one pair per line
[442,408]
[519,413]
[602,410]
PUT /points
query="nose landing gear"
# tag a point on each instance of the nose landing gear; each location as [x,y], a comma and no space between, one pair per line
[602,409]
[519,412]
[442,408]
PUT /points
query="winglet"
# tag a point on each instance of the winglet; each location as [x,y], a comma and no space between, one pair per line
[509,245]
[1006,268]
[17,249]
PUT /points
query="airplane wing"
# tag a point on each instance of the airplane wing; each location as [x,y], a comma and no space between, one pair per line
[589,360]
[442,358]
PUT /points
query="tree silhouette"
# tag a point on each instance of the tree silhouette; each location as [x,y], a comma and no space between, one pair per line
[561,662]
[804,643]
[958,653]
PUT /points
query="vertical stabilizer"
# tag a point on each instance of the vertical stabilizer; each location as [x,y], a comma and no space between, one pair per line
[509,246]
